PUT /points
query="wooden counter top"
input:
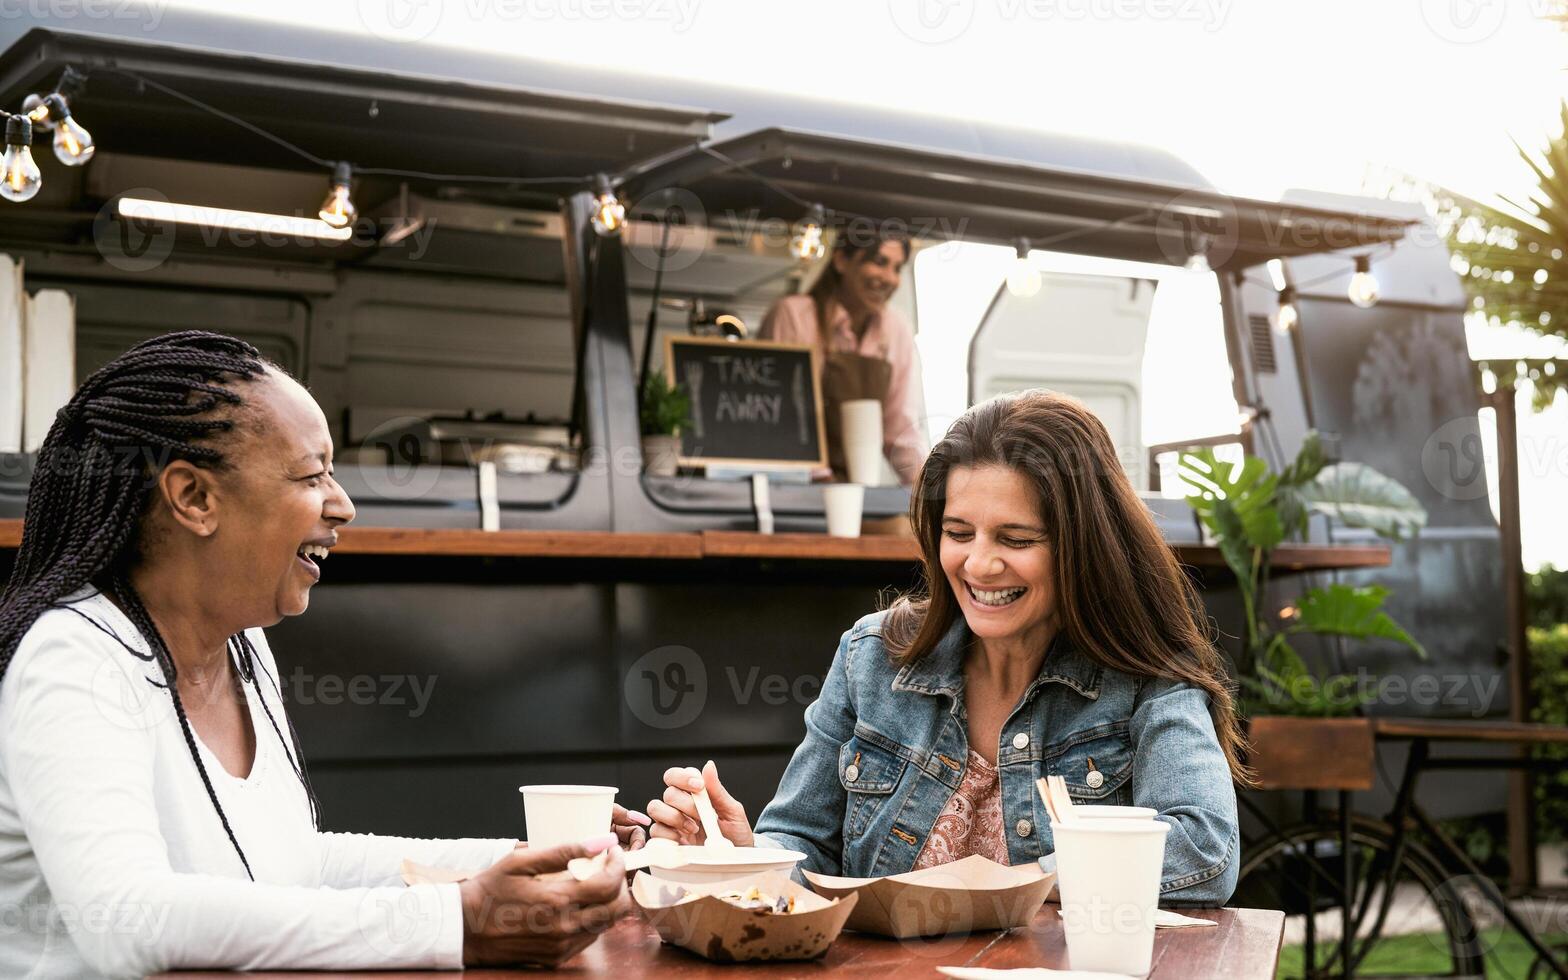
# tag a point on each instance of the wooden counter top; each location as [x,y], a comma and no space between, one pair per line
[695,545]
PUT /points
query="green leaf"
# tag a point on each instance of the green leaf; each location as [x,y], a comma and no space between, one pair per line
[666,408]
[1308,462]
[1351,611]
[1357,495]
[1248,489]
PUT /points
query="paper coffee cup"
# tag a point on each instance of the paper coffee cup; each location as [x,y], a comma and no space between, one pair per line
[566,814]
[844,502]
[862,432]
[1108,879]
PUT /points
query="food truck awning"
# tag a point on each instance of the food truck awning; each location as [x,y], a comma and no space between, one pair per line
[768,174]
[370,117]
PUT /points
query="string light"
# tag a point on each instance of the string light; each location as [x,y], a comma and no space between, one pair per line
[1023,279]
[1286,318]
[73,145]
[338,209]
[37,112]
[806,243]
[19,176]
[609,214]
[1364,290]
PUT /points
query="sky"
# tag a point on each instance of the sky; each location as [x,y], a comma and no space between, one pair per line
[1258,95]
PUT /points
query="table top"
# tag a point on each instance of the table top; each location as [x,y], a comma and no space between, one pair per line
[1470,730]
[1243,946]
[708,545]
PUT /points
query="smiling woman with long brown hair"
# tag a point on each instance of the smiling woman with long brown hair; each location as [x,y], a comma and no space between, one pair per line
[1056,635]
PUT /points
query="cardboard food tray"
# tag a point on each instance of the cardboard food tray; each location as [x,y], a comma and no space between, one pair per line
[972,894]
[689,916]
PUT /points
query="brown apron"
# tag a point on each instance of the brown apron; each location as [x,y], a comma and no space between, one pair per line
[846,377]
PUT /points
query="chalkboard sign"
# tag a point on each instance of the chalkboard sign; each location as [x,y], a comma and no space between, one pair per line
[753,403]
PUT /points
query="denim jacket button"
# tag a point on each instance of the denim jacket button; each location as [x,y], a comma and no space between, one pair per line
[1094,779]
[852,773]
[1025,828]
[1021,740]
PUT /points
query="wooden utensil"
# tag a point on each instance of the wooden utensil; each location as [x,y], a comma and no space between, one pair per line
[710,820]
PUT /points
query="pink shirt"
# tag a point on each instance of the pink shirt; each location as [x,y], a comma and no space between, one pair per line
[793,320]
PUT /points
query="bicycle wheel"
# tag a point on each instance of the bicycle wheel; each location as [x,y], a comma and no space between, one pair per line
[1413,923]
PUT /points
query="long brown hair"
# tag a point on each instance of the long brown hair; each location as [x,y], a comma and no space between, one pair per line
[860,244]
[1123,600]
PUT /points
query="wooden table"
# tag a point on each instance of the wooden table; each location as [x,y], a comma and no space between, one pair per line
[1244,946]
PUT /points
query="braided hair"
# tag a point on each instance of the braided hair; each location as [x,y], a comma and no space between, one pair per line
[167,398]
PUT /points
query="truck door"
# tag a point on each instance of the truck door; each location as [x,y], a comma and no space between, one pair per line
[1081,335]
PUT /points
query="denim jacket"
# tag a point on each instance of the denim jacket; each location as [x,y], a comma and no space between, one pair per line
[886,746]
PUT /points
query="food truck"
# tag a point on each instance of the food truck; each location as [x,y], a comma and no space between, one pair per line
[515,580]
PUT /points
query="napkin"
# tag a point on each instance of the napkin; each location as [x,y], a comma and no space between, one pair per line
[1024,973]
[1166,919]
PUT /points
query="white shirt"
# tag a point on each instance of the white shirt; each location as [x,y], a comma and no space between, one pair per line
[113,860]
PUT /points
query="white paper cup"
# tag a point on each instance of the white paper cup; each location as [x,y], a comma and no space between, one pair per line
[861,425]
[566,814]
[1096,811]
[844,502]
[1108,877]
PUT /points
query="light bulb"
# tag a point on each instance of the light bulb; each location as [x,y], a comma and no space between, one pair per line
[806,244]
[73,145]
[1023,279]
[338,209]
[609,214]
[1363,285]
[36,108]
[1286,318]
[19,176]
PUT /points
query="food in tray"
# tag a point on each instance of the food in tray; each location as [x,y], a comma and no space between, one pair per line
[756,900]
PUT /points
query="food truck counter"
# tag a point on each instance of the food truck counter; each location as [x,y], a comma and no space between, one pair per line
[699,545]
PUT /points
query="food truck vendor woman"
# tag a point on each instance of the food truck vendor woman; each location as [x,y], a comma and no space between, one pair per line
[868,349]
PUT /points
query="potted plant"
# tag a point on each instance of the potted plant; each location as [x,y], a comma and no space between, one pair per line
[1549,679]
[1250,511]
[666,410]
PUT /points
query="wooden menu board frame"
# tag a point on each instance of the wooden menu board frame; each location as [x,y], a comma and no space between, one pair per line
[821,460]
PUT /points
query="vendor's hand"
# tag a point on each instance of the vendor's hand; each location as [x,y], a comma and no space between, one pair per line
[630,826]
[512,915]
[675,816]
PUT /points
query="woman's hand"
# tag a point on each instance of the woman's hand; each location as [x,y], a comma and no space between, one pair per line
[629,826]
[675,816]
[511,914]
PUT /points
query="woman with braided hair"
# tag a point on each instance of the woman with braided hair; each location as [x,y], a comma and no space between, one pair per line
[154,807]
